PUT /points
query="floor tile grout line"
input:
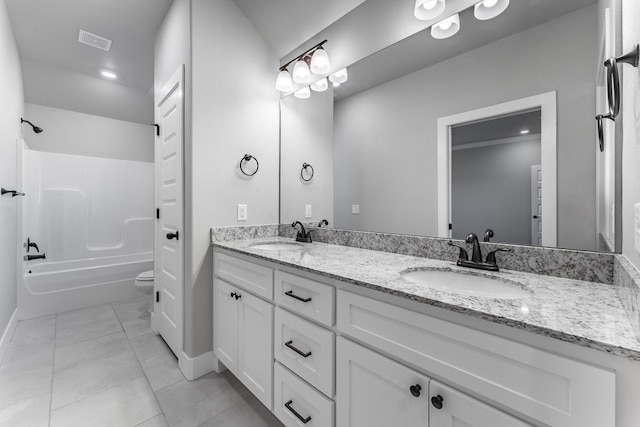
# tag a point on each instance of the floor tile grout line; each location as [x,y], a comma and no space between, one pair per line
[155,396]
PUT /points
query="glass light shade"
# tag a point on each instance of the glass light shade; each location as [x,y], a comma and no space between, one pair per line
[428,9]
[320,63]
[446,28]
[489,9]
[339,76]
[284,83]
[321,85]
[301,73]
[303,93]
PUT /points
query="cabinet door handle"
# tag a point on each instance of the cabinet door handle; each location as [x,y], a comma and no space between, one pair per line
[172,235]
[294,412]
[238,296]
[290,345]
[415,390]
[233,294]
[436,401]
[292,295]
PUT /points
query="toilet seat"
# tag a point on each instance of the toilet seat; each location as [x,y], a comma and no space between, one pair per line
[145,276]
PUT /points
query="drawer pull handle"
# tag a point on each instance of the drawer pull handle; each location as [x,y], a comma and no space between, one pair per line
[290,345]
[294,412]
[436,401]
[415,390]
[292,295]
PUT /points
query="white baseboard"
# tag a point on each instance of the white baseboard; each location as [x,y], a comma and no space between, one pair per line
[198,366]
[8,333]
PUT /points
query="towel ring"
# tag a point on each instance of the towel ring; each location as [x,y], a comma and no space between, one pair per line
[613,78]
[599,118]
[304,167]
[248,158]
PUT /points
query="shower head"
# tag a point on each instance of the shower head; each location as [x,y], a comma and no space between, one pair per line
[36,129]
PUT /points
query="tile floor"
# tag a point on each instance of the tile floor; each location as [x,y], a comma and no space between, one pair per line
[102,366]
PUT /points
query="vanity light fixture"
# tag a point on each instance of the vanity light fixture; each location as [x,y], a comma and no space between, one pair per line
[339,76]
[489,9]
[321,85]
[314,60]
[446,28]
[428,9]
[303,93]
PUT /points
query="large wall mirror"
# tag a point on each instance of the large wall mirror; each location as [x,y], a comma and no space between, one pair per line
[491,128]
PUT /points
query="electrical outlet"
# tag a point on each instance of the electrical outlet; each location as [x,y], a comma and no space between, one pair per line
[307,210]
[355,209]
[242,212]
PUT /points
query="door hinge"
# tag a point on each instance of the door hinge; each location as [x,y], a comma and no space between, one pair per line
[157,296]
[157,213]
[157,126]
[450,226]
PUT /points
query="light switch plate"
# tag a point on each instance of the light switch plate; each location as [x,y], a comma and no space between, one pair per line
[242,212]
[355,209]
[307,210]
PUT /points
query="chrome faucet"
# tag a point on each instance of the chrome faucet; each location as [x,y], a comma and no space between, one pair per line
[490,264]
[303,235]
[323,222]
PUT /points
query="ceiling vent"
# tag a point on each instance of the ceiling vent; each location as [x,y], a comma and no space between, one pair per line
[94,40]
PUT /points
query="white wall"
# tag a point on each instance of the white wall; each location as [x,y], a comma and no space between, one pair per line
[306,136]
[631,130]
[87,135]
[54,87]
[393,127]
[10,112]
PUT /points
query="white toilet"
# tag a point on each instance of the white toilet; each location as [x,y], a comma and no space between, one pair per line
[145,282]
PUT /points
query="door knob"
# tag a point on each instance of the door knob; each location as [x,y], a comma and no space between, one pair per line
[172,235]
[436,401]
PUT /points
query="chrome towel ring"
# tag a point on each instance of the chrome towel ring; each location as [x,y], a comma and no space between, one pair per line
[306,166]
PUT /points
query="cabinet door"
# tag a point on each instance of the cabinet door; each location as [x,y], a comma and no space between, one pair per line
[255,351]
[374,391]
[458,409]
[225,325]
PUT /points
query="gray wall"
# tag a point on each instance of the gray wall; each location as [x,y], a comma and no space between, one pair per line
[306,136]
[88,135]
[10,112]
[385,137]
[491,188]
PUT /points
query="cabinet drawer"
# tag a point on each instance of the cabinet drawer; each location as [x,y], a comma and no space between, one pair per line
[252,277]
[549,388]
[293,336]
[306,297]
[295,401]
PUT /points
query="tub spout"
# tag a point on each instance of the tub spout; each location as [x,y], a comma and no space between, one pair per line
[32,257]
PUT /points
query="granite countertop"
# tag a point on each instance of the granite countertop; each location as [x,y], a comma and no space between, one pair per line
[588,314]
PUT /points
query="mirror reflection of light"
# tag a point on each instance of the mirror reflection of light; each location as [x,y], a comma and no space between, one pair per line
[303,93]
[525,131]
[320,86]
[524,309]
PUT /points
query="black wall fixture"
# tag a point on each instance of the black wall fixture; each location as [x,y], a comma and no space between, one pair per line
[306,173]
[13,193]
[245,159]
[36,129]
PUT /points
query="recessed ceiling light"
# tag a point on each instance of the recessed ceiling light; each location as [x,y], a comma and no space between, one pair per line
[109,74]
[525,131]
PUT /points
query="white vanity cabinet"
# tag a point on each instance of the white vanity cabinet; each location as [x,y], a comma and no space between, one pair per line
[243,328]
[375,391]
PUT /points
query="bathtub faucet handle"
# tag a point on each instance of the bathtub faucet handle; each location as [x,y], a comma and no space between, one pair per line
[31,244]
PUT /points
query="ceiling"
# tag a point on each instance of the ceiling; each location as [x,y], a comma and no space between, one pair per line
[497,128]
[286,24]
[46,31]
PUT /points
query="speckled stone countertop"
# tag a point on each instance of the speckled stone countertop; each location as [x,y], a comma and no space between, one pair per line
[588,314]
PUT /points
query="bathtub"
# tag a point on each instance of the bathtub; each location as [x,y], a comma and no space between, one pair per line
[54,287]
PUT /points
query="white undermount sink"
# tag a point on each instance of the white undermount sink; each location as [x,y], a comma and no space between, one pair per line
[278,246]
[471,283]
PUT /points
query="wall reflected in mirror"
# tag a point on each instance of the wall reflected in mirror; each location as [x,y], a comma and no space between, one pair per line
[381,147]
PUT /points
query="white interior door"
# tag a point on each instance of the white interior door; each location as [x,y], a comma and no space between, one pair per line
[169,239]
[536,205]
